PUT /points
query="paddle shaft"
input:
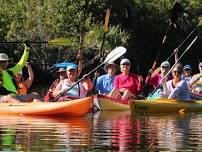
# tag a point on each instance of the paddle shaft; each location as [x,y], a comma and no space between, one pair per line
[183,42]
[19,42]
[176,62]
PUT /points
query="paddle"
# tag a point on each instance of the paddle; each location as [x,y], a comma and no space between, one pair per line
[176,62]
[199,25]
[174,15]
[112,56]
[57,41]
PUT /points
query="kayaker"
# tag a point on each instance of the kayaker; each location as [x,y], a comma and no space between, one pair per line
[196,81]
[176,88]
[187,73]
[8,91]
[78,91]
[154,79]
[105,83]
[126,84]
[61,75]
[24,84]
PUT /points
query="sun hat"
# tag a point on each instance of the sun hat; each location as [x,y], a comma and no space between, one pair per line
[61,70]
[187,66]
[108,64]
[72,66]
[125,61]
[4,57]
[165,64]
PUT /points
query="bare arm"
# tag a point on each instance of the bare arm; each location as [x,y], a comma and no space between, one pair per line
[58,90]
[80,62]
[28,82]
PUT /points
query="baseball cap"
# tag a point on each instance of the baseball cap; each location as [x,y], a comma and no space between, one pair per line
[72,66]
[187,66]
[125,61]
[165,64]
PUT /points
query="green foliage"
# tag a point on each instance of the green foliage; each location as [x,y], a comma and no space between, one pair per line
[138,24]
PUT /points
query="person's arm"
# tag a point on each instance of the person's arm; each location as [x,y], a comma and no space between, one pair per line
[176,55]
[87,83]
[16,69]
[58,90]
[80,62]
[28,81]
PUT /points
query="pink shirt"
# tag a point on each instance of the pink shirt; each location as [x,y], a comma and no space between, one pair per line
[155,79]
[130,82]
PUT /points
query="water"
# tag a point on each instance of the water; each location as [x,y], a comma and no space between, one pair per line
[104,131]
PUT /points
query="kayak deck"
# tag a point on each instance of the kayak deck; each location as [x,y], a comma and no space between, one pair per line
[75,107]
[165,106]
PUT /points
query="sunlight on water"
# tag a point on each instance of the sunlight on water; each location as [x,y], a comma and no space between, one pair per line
[104,131]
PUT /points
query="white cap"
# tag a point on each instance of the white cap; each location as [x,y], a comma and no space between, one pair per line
[125,61]
[187,67]
[165,64]
[72,66]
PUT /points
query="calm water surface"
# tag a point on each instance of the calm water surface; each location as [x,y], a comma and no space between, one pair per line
[104,131]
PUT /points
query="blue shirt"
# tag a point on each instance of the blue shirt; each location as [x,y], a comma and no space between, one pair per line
[105,84]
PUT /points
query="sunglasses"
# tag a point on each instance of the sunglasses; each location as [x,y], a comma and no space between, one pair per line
[177,72]
[125,64]
[187,69]
[164,67]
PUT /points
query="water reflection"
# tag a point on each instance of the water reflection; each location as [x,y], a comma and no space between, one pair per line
[104,131]
[40,134]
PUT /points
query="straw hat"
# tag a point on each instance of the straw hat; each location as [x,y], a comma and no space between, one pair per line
[61,70]
[4,57]
[108,64]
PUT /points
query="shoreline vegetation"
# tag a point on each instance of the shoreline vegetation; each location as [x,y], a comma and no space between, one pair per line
[138,25]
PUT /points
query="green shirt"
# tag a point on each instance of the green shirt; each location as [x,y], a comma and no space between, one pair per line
[7,78]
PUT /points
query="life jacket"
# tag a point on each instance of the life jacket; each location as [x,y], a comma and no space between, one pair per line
[3,90]
[22,90]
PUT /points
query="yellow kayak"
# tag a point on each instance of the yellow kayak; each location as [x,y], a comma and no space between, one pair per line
[75,107]
[165,106]
[103,102]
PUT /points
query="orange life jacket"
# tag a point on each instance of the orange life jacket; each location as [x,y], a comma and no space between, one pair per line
[22,90]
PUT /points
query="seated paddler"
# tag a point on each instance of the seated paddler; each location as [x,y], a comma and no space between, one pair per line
[68,88]
[8,88]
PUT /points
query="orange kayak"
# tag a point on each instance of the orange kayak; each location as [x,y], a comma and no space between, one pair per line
[77,107]
[103,102]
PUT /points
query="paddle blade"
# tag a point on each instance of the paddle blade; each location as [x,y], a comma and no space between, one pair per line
[60,41]
[200,23]
[115,54]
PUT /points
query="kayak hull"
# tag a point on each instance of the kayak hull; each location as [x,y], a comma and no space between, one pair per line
[165,106]
[111,104]
[77,107]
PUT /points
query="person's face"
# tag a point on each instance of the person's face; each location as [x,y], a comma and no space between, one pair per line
[72,74]
[18,77]
[125,67]
[111,69]
[164,69]
[187,72]
[3,65]
[200,68]
[176,73]
[62,75]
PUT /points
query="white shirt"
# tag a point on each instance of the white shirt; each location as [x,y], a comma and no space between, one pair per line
[180,92]
[77,91]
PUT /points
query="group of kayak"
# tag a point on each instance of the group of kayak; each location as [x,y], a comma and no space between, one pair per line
[123,87]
